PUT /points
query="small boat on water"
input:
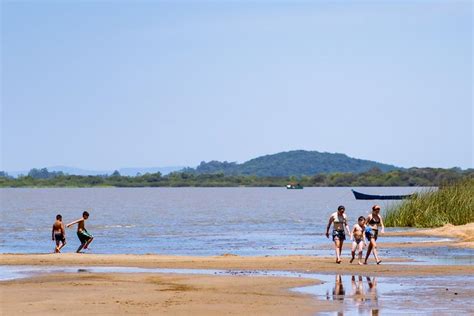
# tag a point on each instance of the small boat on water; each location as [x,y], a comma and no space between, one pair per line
[363,196]
[294,186]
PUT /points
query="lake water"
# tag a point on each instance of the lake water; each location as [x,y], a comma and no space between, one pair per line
[191,221]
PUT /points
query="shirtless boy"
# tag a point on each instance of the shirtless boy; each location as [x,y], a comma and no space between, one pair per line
[358,238]
[82,233]
[58,233]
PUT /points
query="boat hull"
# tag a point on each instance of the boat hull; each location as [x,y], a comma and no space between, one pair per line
[362,196]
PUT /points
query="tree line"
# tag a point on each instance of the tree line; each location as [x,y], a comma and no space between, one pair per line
[373,177]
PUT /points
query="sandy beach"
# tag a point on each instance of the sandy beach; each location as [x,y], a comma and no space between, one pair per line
[463,235]
[140,293]
[227,262]
[153,293]
[76,294]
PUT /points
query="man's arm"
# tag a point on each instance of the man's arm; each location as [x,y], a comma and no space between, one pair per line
[52,233]
[63,231]
[331,219]
[75,222]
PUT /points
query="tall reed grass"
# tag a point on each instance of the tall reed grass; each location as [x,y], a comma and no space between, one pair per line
[451,204]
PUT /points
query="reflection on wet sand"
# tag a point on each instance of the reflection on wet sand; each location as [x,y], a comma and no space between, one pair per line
[363,295]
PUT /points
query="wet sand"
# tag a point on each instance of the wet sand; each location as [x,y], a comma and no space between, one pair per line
[150,293]
[226,262]
[79,294]
[109,293]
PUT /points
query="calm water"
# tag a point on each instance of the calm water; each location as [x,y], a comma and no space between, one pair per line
[187,221]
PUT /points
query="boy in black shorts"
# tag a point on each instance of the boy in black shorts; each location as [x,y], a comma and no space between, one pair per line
[58,233]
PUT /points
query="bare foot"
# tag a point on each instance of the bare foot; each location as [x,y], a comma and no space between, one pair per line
[351,260]
[360,263]
[379,262]
[338,261]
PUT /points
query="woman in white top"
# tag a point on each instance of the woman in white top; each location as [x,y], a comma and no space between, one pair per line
[339,221]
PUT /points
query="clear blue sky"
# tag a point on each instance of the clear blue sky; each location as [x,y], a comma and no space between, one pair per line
[109,84]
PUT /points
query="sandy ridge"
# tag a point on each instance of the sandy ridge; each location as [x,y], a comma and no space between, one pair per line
[463,234]
[289,263]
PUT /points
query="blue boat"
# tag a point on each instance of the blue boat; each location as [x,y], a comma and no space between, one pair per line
[363,196]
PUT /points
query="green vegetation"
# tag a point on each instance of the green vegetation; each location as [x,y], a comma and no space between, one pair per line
[292,163]
[451,204]
[373,177]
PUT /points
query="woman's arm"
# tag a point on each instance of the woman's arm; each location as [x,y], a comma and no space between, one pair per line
[381,224]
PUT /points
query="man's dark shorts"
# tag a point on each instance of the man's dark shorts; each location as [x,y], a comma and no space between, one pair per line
[339,234]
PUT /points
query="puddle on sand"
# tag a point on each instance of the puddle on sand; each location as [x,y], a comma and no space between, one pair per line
[351,295]
[362,295]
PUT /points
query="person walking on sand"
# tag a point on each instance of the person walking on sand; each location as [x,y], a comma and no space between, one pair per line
[58,233]
[339,221]
[358,238]
[373,222]
[83,235]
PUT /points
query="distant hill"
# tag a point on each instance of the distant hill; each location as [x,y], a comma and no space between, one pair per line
[292,163]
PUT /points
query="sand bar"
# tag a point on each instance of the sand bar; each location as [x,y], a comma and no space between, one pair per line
[288,263]
[150,293]
[463,235]
[79,294]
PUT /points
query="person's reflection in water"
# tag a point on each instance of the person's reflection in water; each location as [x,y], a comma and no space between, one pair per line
[358,294]
[338,291]
[372,296]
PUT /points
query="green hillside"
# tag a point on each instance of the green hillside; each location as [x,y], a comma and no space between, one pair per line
[291,163]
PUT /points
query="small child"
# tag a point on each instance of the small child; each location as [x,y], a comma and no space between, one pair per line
[358,238]
[58,233]
[82,233]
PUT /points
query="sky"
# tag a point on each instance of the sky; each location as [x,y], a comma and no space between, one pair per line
[110,84]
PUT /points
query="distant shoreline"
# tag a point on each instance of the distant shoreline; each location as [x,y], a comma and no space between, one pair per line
[414,177]
[203,186]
